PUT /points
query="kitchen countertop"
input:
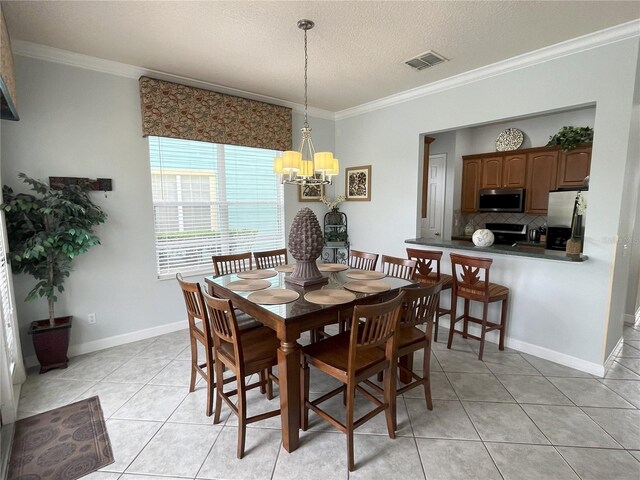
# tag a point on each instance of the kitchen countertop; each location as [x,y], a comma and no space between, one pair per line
[502,249]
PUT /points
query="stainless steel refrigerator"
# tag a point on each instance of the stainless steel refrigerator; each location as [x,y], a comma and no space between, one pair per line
[560,216]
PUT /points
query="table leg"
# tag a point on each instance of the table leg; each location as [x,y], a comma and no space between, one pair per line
[289,375]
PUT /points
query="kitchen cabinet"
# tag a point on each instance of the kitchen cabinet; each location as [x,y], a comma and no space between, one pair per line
[491,171]
[538,170]
[505,171]
[470,184]
[542,171]
[573,167]
[514,171]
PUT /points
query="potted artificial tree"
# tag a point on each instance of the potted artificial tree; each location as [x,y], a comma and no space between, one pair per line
[46,231]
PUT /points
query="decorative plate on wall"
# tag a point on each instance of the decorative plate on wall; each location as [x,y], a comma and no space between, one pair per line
[509,139]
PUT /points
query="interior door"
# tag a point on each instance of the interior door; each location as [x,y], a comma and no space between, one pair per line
[435,199]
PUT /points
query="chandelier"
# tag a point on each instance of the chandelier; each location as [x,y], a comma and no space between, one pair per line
[306,166]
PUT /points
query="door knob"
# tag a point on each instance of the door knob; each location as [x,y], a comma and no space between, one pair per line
[437,234]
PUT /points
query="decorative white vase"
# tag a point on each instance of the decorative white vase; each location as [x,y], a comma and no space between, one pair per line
[483,238]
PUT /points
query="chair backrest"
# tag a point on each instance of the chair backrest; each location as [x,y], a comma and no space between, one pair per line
[398,267]
[224,264]
[271,258]
[194,303]
[373,326]
[363,260]
[225,331]
[420,306]
[427,264]
[470,276]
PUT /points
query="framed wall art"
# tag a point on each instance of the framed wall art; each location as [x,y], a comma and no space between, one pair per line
[310,193]
[358,183]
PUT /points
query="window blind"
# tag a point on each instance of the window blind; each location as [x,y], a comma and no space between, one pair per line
[212,199]
[6,304]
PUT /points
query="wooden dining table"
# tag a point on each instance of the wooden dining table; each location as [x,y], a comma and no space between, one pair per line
[289,321]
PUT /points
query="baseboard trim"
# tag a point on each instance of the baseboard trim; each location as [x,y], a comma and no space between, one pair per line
[538,351]
[116,340]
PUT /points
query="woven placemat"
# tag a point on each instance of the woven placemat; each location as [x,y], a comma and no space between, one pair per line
[273,296]
[367,286]
[331,267]
[254,274]
[365,275]
[248,285]
[284,268]
[329,297]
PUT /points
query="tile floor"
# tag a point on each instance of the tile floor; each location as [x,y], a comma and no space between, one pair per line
[512,416]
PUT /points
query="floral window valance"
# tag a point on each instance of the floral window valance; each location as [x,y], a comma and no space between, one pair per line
[178,111]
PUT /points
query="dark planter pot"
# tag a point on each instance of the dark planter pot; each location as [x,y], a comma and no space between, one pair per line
[51,342]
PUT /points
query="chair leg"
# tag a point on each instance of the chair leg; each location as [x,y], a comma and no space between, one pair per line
[219,391]
[304,383]
[452,321]
[426,377]
[194,364]
[390,398]
[351,393]
[268,373]
[503,323]
[436,324]
[211,381]
[483,333]
[263,382]
[465,328]
[242,416]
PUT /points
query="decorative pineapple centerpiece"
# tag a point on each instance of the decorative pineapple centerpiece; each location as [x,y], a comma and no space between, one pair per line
[305,245]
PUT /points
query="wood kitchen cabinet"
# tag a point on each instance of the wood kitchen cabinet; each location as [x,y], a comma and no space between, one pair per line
[514,171]
[471,169]
[538,170]
[491,171]
[573,167]
[542,171]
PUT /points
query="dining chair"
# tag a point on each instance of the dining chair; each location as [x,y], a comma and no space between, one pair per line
[351,358]
[199,333]
[471,283]
[244,353]
[428,273]
[398,267]
[363,260]
[271,258]
[225,264]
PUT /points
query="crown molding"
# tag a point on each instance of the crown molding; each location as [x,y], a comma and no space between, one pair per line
[614,34]
[579,44]
[65,57]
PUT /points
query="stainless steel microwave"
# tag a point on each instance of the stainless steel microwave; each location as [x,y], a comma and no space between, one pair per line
[501,200]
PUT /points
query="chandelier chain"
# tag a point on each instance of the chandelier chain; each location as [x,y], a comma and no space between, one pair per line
[306,59]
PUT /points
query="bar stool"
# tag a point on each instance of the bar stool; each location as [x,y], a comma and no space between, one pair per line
[427,275]
[471,282]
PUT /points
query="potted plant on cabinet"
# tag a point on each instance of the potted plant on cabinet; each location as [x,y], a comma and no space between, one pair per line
[46,231]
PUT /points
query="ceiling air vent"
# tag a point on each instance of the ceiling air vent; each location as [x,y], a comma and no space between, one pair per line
[425,60]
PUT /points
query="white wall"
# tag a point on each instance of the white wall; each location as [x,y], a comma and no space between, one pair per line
[575,295]
[76,122]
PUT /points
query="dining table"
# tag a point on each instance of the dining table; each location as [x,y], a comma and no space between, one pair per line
[290,320]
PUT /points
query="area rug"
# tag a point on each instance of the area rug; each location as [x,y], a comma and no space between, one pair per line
[62,444]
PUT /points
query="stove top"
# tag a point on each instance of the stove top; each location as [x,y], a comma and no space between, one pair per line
[508,233]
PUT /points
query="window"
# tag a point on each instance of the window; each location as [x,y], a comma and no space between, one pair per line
[212,199]
[6,304]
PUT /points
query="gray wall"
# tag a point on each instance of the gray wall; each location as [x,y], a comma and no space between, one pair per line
[77,122]
[562,308]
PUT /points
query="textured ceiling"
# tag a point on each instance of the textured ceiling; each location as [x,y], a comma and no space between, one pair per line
[356,51]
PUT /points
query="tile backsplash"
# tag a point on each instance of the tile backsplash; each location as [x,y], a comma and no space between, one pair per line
[478,220]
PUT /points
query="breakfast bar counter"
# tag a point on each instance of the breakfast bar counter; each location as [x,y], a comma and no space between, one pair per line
[516,250]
